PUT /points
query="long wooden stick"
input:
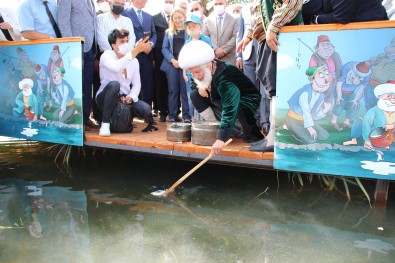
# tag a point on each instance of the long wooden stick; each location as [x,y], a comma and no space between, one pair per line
[182,179]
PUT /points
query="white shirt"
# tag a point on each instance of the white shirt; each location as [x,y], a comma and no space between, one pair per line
[112,69]
[106,23]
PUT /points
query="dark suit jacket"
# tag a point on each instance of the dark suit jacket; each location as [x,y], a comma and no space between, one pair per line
[161,26]
[139,29]
[346,11]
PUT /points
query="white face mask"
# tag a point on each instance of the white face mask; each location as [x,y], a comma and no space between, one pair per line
[104,7]
[197,13]
[124,49]
[219,9]
[167,8]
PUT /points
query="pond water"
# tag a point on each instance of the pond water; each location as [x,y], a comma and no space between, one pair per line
[100,210]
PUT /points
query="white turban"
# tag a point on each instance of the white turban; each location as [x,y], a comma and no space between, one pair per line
[23,82]
[195,53]
[384,89]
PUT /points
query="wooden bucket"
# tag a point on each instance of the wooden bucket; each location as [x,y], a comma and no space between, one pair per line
[204,133]
[179,132]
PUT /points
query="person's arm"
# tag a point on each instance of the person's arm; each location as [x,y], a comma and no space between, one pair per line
[26,23]
[136,82]
[153,36]
[304,104]
[64,22]
[231,43]
[285,14]
[132,36]
[102,36]
[343,12]
[166,48]
[32,35]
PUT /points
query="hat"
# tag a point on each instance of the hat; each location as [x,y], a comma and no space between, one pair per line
[23,82]
[56,47]
[322,38]
[195,53]
[362,69]
[384,89]
[37,68]
[194,19]
[311,71]
[62,70]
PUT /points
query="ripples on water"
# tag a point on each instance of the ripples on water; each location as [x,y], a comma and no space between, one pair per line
[101,210]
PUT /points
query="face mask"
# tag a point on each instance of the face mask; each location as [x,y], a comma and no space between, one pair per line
[117,9]
[196,13]
[124,49]
[219,9]
[167,8]
[104,7]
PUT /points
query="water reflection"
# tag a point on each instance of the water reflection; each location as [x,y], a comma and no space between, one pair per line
[103,212]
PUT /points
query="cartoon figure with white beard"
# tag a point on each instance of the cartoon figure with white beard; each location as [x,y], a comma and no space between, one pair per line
[382,115]
[26,101]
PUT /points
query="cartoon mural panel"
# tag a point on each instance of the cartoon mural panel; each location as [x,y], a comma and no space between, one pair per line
[336,103]
[41,92]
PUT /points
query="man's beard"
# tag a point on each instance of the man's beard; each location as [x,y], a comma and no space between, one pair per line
[386,105]
[205,83]
[27,92]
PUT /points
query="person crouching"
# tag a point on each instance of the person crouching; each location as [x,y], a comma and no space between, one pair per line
[120,79]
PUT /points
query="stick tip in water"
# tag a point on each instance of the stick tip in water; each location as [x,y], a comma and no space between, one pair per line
[159,193]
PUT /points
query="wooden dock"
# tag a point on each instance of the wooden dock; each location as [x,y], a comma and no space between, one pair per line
[156,143]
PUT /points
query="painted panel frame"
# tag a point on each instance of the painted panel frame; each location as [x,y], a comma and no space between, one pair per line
[41,90]
[361,51]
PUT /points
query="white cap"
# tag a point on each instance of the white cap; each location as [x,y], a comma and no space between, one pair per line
[195,53]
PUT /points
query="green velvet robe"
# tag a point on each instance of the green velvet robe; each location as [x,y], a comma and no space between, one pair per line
[236,91]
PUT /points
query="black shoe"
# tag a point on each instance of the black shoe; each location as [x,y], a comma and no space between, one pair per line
[260,146]
[175,120]
[162,118]
[155,113]
[250,138]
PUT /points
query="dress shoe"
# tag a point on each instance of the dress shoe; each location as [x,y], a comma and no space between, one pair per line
[175,120]
[261,146]
[155,113]
[162,118]
[250,138]
[91,124]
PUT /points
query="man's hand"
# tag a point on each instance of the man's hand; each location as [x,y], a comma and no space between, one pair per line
[129,100]
[313,132]
[389,127]
[5,25]
[219,52]
[174,62]
[147,49]
[368,145]
[217,147]
[242,45]
[141,46]
[271,40]
[239,64]
[203,92]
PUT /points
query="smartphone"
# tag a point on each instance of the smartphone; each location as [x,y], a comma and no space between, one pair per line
[147,35]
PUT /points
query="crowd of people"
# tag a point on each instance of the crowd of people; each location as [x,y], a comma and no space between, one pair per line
[181,65]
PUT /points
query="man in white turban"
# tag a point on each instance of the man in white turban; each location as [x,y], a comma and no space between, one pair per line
[26,101]
[383,114]
[215,80]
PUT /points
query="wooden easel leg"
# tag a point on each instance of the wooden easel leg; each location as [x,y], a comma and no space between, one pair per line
[381,194]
